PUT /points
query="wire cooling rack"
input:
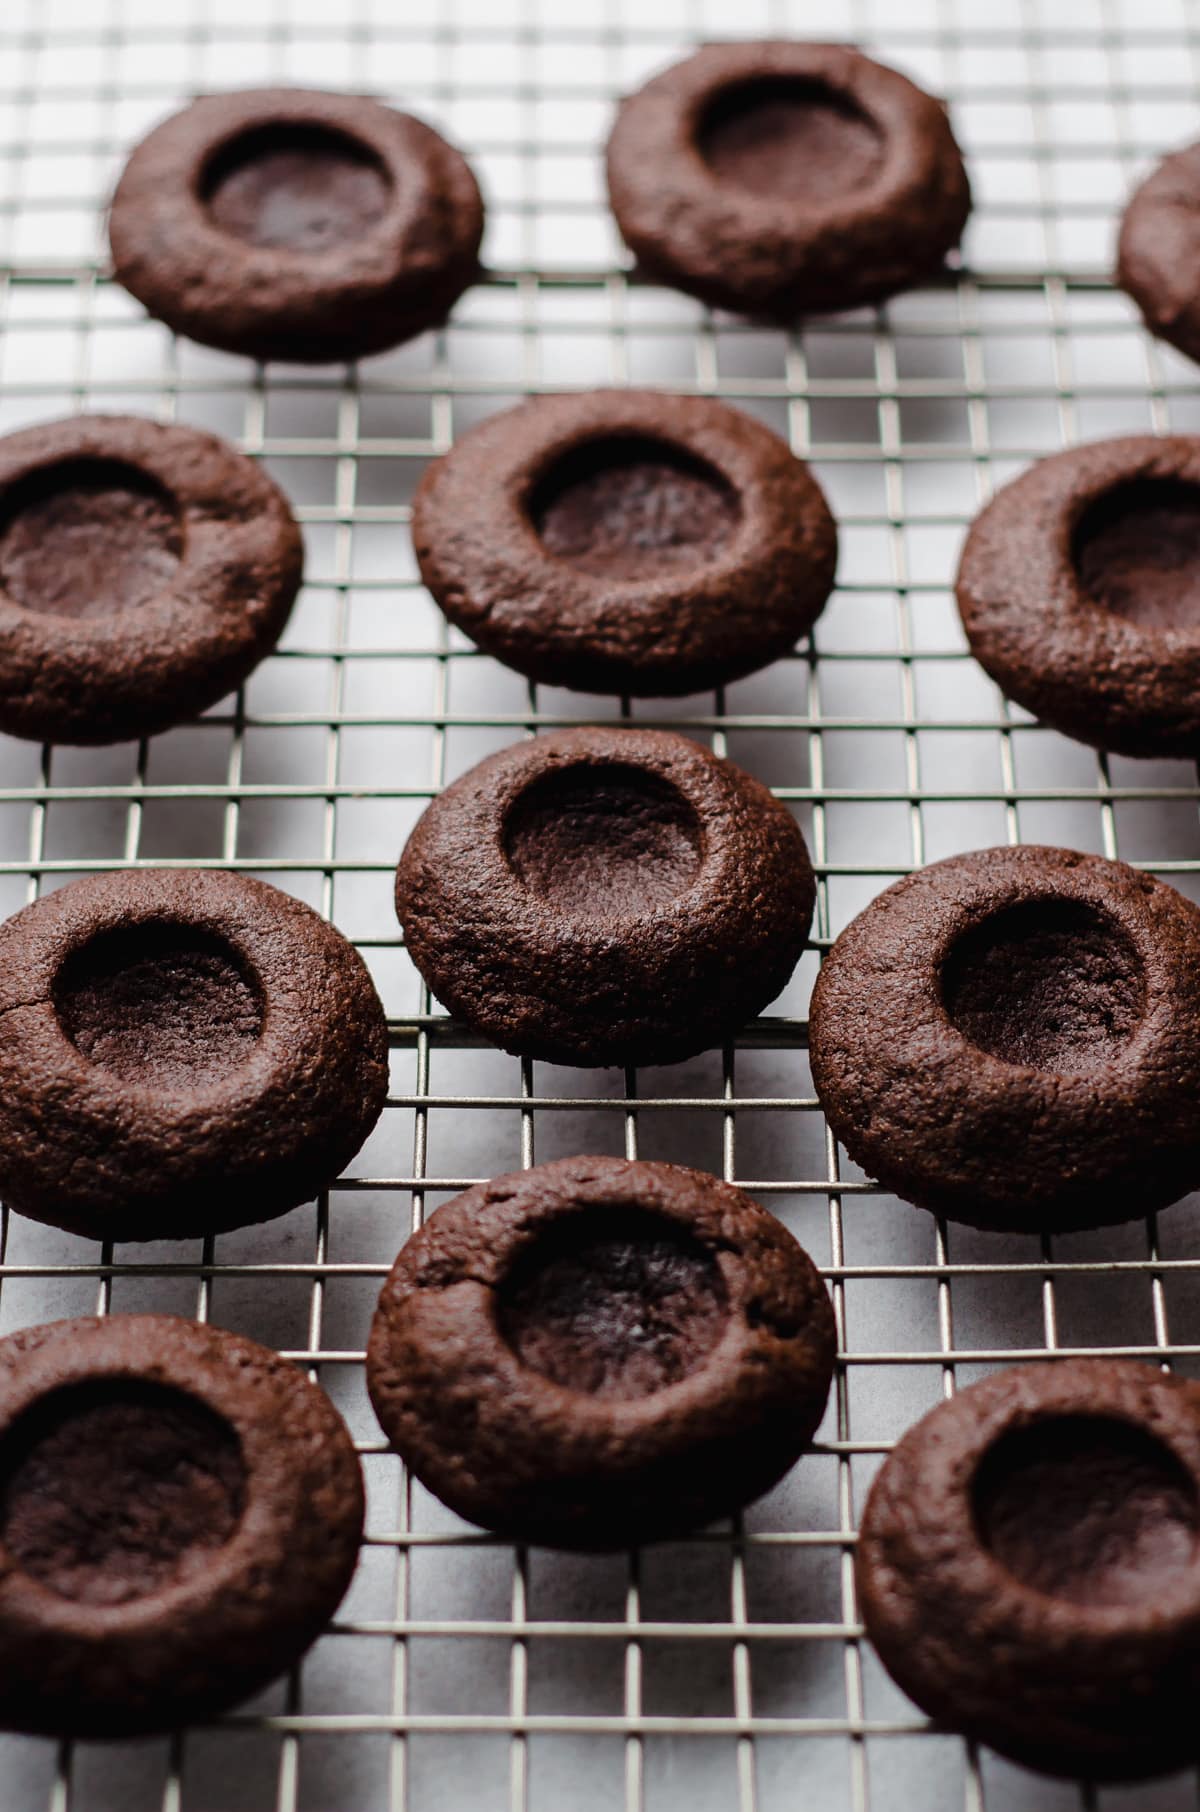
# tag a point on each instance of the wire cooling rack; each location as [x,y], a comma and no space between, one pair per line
[726,1673]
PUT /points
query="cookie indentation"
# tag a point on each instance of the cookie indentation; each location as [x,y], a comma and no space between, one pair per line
[1049,983]
[628,507]
[115,1489]
[1137,552]
[790,140]
[296,188]
[1087,1508]
[603,840]
[614,1304]
[163,1006]
[83,538]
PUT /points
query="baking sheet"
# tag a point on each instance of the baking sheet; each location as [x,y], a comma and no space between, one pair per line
[725,1672]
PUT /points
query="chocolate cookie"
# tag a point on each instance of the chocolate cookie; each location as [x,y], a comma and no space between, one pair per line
[785,177]
[1077,591]
[626,541]
[1012,1038]
[289,224]
[144,570]
[1029,1566]
[1158,253]
[180,1515]
[605,896]
[183,1051]
[596,1353]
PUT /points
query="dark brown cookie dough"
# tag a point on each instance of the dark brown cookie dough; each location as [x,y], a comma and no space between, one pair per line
[596,1353]
[785,177]
[1158,252]
[183,1051]
[605,897]
[144,571]
[626,541]
[290,224]
[1012,1038]
[1029,1566]
[1079,589]
[180,1515]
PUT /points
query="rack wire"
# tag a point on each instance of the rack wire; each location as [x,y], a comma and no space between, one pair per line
[727,1671]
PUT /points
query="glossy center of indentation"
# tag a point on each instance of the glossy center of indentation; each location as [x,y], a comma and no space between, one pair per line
[790,140]
[162,1006]
[614,1303]
[1051,983]
[115,1489]
[1089,1509]
[297,188]
[603,841]
[627,507]
[87,537]
[1137,552]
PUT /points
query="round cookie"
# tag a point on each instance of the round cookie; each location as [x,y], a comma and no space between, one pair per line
[596,1353]
[603,896]
[290,224]
[626,541]
[1158,251]
[1077,589]
[1029,1566]
[183,1051]
[144,571]
[785,177]
[1012,1038]
[180,1516]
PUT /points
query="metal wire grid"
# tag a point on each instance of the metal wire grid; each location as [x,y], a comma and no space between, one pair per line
[728,1670]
